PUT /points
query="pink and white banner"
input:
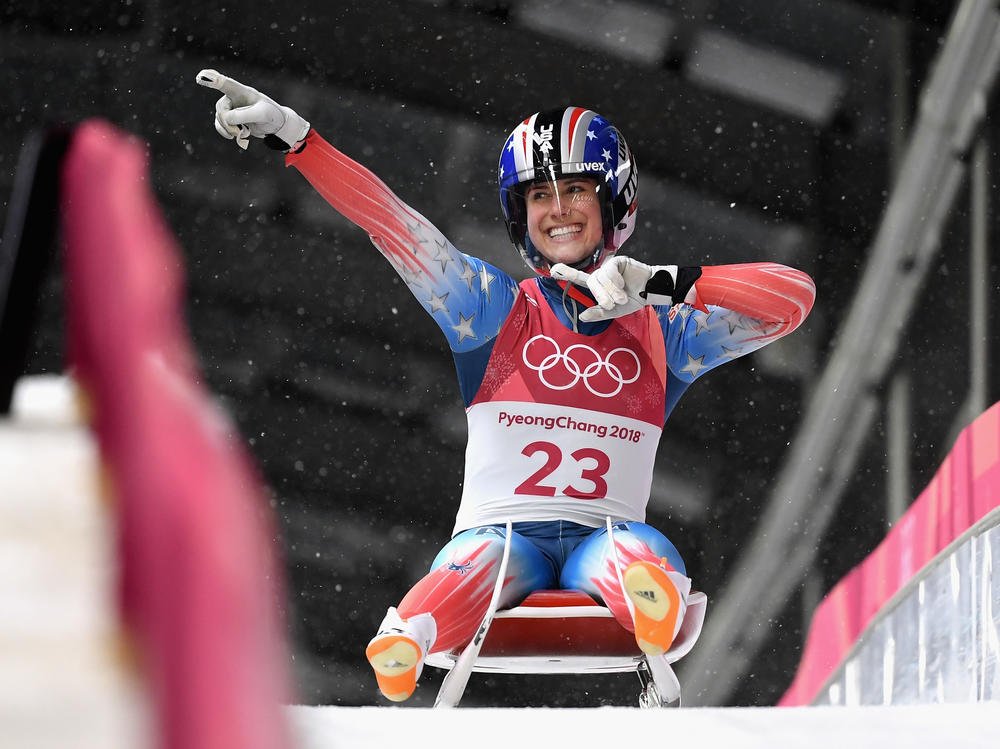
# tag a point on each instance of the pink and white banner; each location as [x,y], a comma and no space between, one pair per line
[964,490]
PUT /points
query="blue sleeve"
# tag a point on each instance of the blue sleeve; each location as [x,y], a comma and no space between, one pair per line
[470,306]
[471,314]
[469,300]
[697,341]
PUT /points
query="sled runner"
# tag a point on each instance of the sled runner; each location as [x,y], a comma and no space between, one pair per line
[566,632]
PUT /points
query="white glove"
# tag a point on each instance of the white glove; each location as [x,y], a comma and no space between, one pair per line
[619,286]
[245,111]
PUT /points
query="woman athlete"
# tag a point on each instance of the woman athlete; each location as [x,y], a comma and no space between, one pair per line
[567,377]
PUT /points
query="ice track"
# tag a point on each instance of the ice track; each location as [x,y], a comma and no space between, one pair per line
[966,726]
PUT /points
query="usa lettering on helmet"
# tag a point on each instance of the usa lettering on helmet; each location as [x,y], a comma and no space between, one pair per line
[543,134]
[543,138]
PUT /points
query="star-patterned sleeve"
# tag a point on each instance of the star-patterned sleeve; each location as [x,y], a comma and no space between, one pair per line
[737,309]
[468,298]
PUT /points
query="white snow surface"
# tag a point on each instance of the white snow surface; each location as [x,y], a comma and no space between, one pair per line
[965,726]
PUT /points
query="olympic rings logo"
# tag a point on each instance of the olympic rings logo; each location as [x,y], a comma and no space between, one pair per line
[580,362]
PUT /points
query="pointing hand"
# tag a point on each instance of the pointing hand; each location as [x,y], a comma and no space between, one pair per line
[244,111]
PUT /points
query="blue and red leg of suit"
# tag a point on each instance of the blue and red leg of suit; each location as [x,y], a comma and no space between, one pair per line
[457,590]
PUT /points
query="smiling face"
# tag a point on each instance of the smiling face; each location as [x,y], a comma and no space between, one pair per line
[564,218]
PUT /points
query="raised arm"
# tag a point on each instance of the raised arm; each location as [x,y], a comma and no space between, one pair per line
[468,298]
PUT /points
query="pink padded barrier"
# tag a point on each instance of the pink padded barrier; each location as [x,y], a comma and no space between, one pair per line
[199,580]
[965,488]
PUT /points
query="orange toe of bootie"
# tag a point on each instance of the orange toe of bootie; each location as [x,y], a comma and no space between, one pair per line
[397,652]
[657,605]
[395,659]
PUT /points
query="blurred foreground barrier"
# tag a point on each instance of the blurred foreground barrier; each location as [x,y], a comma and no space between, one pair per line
[198,584]
[918,620]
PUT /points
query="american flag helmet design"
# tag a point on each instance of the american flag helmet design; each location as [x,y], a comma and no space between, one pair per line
[558,143]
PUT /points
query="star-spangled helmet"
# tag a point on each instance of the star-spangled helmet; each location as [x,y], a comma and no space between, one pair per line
[558,143]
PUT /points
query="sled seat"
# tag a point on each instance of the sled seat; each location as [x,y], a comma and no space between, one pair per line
[553,632]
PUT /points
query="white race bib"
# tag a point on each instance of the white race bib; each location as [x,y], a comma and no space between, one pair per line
[536,461]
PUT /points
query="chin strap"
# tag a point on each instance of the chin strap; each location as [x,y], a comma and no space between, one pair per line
[576,294]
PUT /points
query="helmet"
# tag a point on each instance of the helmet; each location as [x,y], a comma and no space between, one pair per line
[558,143]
